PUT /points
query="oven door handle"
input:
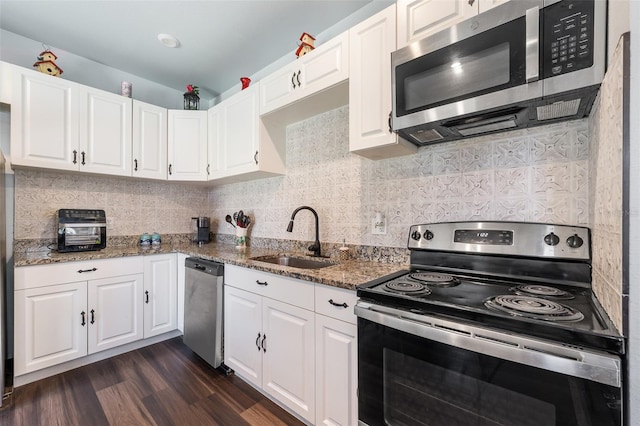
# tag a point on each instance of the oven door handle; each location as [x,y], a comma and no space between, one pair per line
[86,225]
[577,362]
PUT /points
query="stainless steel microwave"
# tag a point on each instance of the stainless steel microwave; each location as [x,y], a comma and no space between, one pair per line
[521,64]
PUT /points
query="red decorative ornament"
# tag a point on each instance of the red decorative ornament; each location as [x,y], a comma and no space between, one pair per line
[245,82]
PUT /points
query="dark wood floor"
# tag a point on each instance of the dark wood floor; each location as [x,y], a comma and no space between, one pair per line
[163,384]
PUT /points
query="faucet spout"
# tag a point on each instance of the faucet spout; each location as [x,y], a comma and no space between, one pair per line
[315,247]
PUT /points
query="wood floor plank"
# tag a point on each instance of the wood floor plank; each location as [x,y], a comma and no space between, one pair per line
[80,400]
[122,405]
[168,408]
[162,384]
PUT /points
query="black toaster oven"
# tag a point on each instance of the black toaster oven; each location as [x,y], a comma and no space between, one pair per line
[81,230]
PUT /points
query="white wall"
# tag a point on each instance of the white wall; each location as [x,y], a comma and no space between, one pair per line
[633,399]
[23,51]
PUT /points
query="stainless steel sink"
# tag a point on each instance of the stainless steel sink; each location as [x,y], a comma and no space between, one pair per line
[294,262]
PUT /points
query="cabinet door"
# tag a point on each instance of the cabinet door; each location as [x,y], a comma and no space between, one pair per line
[187,145]
[180,297]
[484,5]
[149,141]
[325,66]
[279,88]
[44,121]
[215,130]
[336,372]
[289,356]
[50,326]
[243,334]
[420,18]
[105,132]
[241,132]
[115,311]
[370,45]
[160,294]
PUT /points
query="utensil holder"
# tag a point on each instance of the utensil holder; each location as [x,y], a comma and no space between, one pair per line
[241,238]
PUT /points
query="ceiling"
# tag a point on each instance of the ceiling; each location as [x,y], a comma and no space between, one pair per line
[220,40]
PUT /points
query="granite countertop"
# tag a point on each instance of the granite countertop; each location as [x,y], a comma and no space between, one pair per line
[345,275]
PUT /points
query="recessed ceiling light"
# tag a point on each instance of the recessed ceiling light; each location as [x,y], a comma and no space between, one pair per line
[168,40]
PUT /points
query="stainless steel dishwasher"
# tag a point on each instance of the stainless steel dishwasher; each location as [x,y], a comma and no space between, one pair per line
[203,309]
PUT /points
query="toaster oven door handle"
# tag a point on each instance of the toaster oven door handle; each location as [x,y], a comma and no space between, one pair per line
[551,356]
[532,56]
[86,225]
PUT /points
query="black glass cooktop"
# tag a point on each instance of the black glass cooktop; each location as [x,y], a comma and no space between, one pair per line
[553,311]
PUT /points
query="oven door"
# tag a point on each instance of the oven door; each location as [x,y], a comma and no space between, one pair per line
[416,370]
[81,236]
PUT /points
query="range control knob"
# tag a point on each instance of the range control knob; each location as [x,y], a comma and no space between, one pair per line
[551,239]
[574,241]
[415,235]
[428,235]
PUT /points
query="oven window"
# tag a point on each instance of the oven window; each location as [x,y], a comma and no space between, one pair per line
[448,397]
[405,379]
[83,235]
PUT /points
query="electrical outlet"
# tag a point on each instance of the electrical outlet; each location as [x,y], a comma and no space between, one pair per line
[379,226]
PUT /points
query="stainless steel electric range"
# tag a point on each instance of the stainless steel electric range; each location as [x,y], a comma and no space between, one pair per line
[494,323]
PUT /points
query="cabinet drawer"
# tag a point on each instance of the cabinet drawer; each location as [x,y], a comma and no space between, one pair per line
[330,300]
[289,290]
[68,272]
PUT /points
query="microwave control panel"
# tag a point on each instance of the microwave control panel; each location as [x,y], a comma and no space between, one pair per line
[568,37]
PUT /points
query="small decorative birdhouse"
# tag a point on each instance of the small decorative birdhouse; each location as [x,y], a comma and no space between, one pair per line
[307,38]
[46,64]
[191,98]
[303,49]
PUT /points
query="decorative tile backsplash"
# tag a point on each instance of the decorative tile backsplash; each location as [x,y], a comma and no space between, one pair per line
[132,206]
[606,191]
[539,174]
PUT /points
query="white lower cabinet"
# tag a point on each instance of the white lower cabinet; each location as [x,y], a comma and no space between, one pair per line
[160,294]
[114,311]
[294,340]
[50,326]
[268,342]
[336,356]
[65,311]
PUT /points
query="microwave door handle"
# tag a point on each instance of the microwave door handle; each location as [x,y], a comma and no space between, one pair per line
[532,51]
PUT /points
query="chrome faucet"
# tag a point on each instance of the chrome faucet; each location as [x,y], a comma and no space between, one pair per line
[315,247]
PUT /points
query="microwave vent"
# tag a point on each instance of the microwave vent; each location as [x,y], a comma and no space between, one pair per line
[558,110]
[426,136]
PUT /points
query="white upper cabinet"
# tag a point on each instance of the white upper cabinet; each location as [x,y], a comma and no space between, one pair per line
[240,117]
[239,147]
[62,125]
[323,67]
[418,19]
[370,45]
[187,145]
[44,121]
[105,132]
[149,141]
